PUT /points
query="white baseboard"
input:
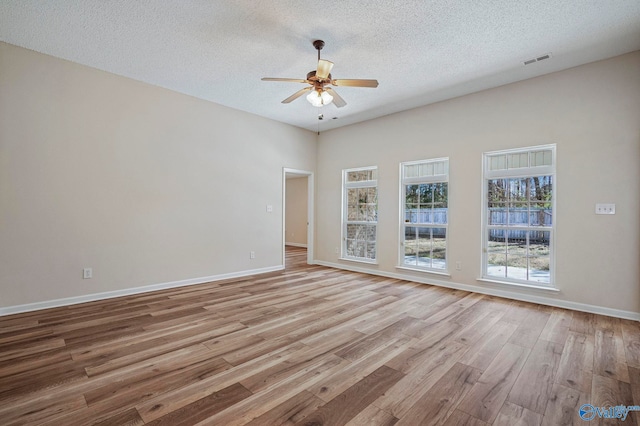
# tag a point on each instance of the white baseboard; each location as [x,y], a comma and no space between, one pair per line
[193,281]
[129,291]
[542,300]
[295,245]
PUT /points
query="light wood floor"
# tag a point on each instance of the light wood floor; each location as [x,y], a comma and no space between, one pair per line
[317,346]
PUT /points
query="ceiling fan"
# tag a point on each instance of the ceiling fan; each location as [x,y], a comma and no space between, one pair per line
[319,94]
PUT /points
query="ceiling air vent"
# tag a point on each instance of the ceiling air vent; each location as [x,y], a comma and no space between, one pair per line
[538,59]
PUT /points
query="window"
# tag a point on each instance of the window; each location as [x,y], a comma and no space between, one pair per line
[519,215]
[360,213]
[423,228]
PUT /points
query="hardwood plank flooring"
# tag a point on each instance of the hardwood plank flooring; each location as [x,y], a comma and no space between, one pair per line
[290,411]
[515,415]
[486,397]
[312,345]
[576,363]
[563,405]
[533,386]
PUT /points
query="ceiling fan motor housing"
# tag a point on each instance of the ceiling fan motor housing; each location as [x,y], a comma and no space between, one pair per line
[311,76]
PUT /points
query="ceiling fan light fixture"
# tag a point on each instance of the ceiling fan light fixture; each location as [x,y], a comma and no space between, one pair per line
[319,98]
[324,68]
[326,98]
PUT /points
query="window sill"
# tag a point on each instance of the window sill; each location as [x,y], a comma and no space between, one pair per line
[350,259]
[428,271]
[515,284]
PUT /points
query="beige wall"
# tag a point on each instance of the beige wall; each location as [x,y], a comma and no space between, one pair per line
[147,186]
[591,112]
[142,184]
[296,201]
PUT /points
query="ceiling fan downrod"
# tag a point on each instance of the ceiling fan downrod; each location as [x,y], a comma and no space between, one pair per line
[318,44]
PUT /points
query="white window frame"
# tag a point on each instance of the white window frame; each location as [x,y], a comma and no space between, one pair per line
[346,185]
[519,172]
[404,181]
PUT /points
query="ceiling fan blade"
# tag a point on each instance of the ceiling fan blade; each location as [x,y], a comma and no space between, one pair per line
[291,80]
[297,95]
[337,99]
[355,83]
[324,68]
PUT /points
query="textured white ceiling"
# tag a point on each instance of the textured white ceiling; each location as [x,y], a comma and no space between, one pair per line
[420,51]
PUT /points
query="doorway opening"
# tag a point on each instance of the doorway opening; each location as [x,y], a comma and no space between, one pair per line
[297,207]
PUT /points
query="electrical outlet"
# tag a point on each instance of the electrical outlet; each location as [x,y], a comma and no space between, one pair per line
[605,209]
[269,208]
[337,250]
[252,255]
[458,265]
[87,273]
